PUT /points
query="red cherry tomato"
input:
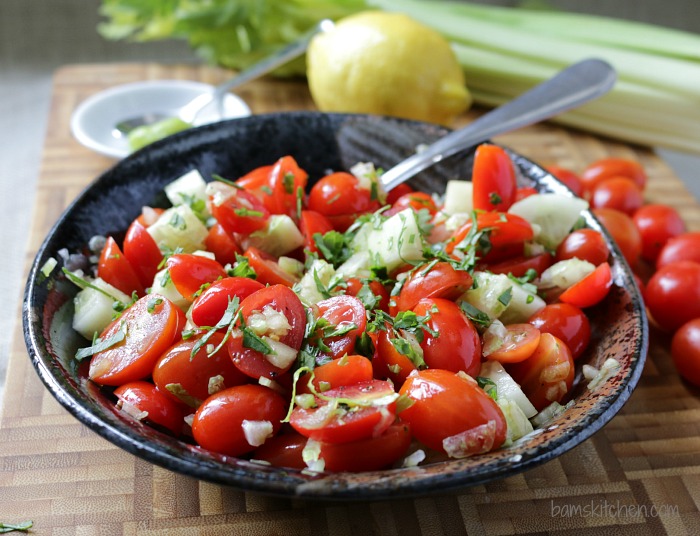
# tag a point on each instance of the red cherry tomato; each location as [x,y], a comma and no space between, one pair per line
[547,375]
[619,193]
[340,313]
[287,181]
[397,191]
[257,182]
[237,210]
[283,450]
[142,252]
[159,409]
[114,268]
[220,422]
[566,322]
[457,345]
[591,289]
[348,413]
[313,223]
[623,231]
[585,244]
[356,287]
[274,299]
[415,200]
[267,270]
[519,343]
[673,294]
[439,280]
[187,378]
[346,370]
[151,325]
[493,179]
[222,245]
[685,351]
[524,191]
[684,247]
[507,234]
[569,178]
[607,168]
[388,363]
[341,199]
[519,266]
[191,273]
[657,224]
[437,412]
[208,308]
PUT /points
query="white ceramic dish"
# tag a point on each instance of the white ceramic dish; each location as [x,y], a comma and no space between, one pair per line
[93,120]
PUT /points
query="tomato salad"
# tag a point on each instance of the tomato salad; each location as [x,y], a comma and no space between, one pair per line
[345,328]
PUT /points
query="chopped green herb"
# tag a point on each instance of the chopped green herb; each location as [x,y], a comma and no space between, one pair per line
[288,182]
[242,211]
[475,315]
[153,303]
[506,296]
[242,268]
[255,342]
[488,385]
[24,526]
[100,345]
[177,221]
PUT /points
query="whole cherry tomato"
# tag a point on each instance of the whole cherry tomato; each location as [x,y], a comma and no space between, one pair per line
[520,265]
[623,231]
[685,351]
[569,178]
[684,247]
[585,244]
[415,200]
[566,322]
[606,168]
[657,224]
[673,294]
[158,408]
[341,198]
[619,193]
[437,415]
[142,252]
[493,179]
[239,419]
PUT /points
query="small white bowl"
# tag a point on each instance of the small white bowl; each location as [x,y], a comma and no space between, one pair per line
[92,122]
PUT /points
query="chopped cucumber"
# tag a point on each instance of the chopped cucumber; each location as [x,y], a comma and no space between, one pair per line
[501,297]
[458,197]
[189,190]
[552,214]
[179,227]
[93,309]
[163,285]
[397,242]
[566,273]
[506,387]
[358,265]
[523,304]
[280,236]
[516,421]
[313,287]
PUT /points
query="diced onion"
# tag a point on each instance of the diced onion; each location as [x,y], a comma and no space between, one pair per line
[256,432]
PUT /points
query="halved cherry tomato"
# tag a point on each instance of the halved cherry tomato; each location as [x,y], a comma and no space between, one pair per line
[287,181]
[673,294]
[222,244]
[623,231]
[221,422]
[266,268]
[142,252]
[493,179]
[547,375]
[114,268]
[159,409]
[344,314]
[257,181]
[346,370]
[607,168]
[566,322]
[569,178]
[208,308]
[313,223]
[524,191]
[585,244]
[415,200]
[439,280]
[517,344]
[507,234]
[519,266]
[237,210]
[437,412]
[191,273]
[191,379]
[684,247]
[341,199]
[356,287]
[619,193]
[151,325]
[388,363]
[591,289]
[273,300]
[452,343]
[657,224]
[348,413]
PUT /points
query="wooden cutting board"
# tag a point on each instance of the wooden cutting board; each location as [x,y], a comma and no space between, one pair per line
[640,475]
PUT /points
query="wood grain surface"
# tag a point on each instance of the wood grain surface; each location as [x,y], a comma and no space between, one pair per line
[640,475]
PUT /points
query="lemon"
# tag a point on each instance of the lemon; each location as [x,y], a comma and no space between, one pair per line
[388,64]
